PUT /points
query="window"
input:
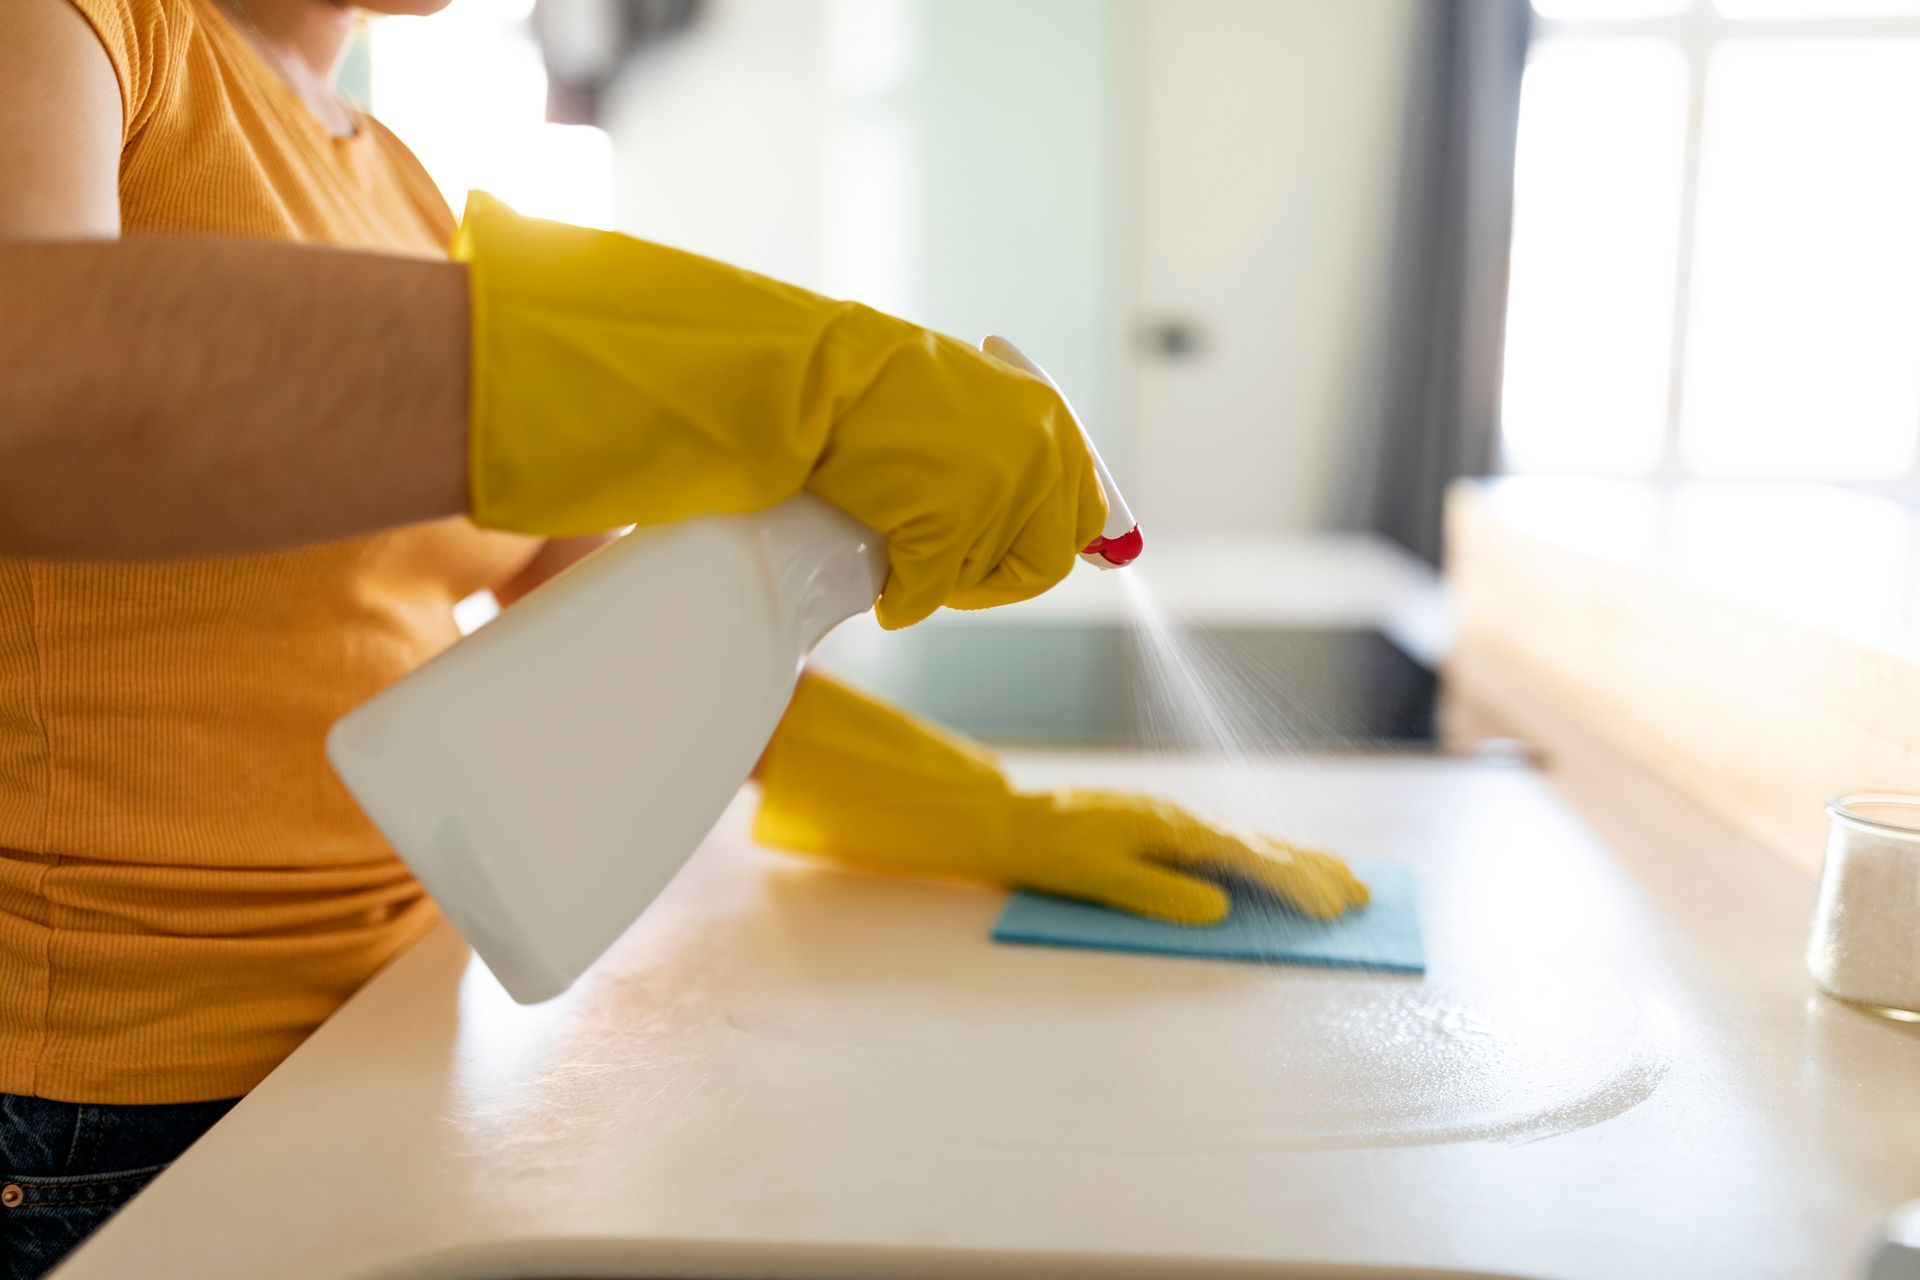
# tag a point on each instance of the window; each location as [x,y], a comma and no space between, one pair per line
[1716,263]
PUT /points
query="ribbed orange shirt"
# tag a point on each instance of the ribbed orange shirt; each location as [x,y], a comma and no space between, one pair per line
[185,889]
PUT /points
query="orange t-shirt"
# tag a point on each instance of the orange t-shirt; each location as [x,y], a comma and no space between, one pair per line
[186,891]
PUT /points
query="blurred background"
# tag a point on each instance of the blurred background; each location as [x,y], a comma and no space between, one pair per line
[1299,264]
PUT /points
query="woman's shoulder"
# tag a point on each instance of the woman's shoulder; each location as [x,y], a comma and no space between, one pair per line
[144,40]
[414,183]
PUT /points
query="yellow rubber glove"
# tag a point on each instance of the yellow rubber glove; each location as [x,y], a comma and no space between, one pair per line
[616,381]
[851,778]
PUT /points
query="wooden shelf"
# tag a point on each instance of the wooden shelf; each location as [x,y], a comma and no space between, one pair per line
[1754,646]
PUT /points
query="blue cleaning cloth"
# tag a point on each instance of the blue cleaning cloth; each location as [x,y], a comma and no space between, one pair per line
[1385,934]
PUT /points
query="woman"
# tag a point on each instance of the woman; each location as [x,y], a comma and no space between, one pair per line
[246,468]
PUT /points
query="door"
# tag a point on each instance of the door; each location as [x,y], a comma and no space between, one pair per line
[1265,155]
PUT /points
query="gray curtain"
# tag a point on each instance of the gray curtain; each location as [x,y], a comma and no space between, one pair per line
[1439,388]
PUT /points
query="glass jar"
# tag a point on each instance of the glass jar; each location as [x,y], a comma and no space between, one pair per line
[1865,947]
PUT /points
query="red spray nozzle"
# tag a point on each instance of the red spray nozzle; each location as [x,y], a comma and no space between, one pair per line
[1122,550]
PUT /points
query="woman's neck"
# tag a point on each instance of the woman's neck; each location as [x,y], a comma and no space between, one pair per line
[303,39]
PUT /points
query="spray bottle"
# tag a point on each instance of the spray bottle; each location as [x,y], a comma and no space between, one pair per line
[545,777]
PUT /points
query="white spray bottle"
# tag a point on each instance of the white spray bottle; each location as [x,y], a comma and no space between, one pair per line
[545,777]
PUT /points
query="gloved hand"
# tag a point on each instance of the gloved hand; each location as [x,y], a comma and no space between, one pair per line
[850,778]
[616,381]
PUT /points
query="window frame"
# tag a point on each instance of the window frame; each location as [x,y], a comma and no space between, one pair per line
[1697,32]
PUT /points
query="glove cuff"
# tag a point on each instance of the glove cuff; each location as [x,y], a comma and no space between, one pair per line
[849,776]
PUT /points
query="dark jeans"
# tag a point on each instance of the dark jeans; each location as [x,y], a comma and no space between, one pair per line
[65,1167]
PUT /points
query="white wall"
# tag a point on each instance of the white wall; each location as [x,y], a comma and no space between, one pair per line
[1024,140]
[949,161]
[717,138]
[1267,135]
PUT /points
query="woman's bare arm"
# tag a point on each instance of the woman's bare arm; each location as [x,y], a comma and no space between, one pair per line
[60,150]
[173,397]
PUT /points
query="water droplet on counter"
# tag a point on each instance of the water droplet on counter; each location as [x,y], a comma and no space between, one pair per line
[1344,1062]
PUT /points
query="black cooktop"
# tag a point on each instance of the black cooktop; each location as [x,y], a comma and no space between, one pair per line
[1272,689]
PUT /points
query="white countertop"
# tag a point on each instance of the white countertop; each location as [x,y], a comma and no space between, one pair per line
[1614,1068]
